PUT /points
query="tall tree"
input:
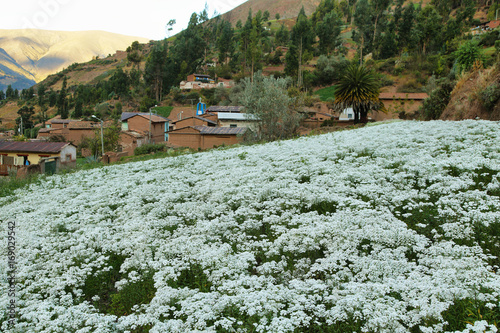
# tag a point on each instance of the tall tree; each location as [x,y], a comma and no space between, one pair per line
[267,100]
[52,98]
[9,92]
[41,92]
[363,21]
[328,31]
[358,88]
[282,36]
[301,40]
[428,28]
[155,70]
[25,120]
[378,7]
[244,40]
[254,49]
[405,27]
[224,40]
[62,103]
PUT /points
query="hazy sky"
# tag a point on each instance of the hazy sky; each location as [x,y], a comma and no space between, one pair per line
[140,18]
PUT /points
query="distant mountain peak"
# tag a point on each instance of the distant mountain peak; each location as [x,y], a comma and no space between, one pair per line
[28,56]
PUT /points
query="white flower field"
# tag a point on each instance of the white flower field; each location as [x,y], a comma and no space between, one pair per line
[387,228]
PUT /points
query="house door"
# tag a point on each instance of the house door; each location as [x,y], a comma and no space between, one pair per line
[50,167]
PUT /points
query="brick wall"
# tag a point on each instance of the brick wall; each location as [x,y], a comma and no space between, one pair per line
[189,122]
[141,124]
[189,137]
[73,135]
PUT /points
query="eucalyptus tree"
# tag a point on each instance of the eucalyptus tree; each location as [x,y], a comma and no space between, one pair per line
[301,41]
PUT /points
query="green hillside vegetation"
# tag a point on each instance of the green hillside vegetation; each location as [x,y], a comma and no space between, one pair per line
[415,47]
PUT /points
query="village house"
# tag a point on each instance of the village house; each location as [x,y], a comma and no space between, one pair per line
[314,119]
[228,119]
[14,154]
[202,81]
[151,125]
[74,131]
[209,120]
[205,137]
[129,140]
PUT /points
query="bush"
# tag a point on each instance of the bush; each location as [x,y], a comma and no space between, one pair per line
[149,148]
[387,66]
[467,54]
[412,86]
[384,80]
[437,101]
[489,38]
[490,96]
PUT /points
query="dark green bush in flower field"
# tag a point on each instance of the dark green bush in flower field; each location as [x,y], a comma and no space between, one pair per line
[149,148]
[490,96]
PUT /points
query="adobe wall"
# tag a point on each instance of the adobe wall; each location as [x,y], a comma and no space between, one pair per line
[210,141]
[394,107]
[191,140]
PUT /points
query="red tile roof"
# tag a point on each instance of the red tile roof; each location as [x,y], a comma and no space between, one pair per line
[33,147]
[416,96]
[493,24]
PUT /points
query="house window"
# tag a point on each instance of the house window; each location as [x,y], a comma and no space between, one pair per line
[68,157]
[349,116]
[23,159]
[233,125]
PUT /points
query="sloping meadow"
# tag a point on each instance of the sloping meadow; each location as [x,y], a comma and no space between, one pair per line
[388,228]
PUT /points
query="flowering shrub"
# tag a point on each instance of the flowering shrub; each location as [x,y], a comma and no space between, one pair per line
[388,228]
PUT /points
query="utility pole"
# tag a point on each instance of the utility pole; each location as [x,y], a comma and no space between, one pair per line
[102,136]
[150,115]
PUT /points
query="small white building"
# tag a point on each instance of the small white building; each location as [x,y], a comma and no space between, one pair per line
[228,119]
[347,114]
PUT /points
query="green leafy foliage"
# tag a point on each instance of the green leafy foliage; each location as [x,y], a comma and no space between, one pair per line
[358,88]
[490,96]
[149,148]
[467,54]
[437,101]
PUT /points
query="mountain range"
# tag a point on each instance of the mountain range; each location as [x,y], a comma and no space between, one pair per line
[28,56]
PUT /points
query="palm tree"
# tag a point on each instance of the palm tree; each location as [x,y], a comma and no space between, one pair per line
[359,89]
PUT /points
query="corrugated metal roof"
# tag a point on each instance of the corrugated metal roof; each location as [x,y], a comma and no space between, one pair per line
[217,108]
[235,116]
[154,118]
[33,147]
[220,130]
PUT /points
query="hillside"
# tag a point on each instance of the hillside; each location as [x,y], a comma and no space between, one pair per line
[28,56]
[286,8]
[388,228]
[476,94]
